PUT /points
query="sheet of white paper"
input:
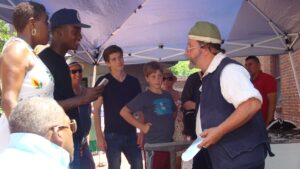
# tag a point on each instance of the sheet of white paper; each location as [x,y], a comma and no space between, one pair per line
[192,150]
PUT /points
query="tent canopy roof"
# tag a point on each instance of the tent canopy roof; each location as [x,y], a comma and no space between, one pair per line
[157,30]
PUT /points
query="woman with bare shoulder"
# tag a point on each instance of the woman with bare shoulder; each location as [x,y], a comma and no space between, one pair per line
[23,75]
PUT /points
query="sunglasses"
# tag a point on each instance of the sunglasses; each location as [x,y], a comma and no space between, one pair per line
[168,78]
[76,71]
[72,126]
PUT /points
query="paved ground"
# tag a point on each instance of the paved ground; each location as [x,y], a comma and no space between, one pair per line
[125,165]
[102,158]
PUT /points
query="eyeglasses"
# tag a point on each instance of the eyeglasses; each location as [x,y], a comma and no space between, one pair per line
[72,126]
[76,71]
[168,78]
[194,47]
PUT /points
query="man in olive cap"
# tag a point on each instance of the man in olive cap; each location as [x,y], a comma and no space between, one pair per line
[232,127]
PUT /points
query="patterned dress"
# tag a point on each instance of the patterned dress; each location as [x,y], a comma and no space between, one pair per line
[38,81]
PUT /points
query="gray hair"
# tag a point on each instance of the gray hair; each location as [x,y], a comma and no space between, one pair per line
[36,115]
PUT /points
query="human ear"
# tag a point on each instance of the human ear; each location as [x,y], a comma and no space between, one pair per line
[146,78]
[31,21]
[56,138]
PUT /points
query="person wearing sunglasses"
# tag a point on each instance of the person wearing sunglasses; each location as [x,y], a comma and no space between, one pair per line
[41,136]
[169,80]
[82,156]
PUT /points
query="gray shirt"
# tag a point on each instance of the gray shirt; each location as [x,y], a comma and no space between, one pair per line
[158,110]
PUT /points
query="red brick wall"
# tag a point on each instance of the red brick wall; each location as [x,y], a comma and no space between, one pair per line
[290,98]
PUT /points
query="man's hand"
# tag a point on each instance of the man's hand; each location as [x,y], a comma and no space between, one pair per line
[242,114]
[211,136]
[90,94]
[101,144]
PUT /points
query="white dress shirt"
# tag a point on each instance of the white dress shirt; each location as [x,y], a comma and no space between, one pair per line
[235,84]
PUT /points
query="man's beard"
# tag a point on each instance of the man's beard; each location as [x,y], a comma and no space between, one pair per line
[193,62]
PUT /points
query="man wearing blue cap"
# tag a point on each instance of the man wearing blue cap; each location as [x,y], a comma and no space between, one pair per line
[233,130]
[66,35]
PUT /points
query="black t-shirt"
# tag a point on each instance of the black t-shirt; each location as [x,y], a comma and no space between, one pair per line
[62,80]
[116,95]
[191,88]
[191,92]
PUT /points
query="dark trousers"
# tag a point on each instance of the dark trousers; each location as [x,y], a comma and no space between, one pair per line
[202,160]
[83,158]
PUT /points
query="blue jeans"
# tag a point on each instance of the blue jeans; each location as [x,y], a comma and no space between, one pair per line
[126,143]
[83,159]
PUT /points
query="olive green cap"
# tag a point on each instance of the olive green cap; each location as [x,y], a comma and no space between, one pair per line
[205,32]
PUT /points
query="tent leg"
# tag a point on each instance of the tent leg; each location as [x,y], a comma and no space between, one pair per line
[94,74]
[294,72]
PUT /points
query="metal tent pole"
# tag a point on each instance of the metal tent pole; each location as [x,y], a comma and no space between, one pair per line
[294,72]
[286,42]
[94,75]
[87,53]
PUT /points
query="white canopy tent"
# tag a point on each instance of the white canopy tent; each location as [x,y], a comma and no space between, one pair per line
[157,29]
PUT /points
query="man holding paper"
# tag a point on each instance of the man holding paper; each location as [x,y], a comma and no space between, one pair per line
[232,130]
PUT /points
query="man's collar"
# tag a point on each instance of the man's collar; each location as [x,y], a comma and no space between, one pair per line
[214,63]
[257,75]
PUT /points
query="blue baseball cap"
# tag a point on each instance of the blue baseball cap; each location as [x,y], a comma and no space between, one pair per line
[66,17]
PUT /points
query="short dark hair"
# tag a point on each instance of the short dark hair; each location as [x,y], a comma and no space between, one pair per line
[24,11]
[255,58]
[152,67]
[111,49]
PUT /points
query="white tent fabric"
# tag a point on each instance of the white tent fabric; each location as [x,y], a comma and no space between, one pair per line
[157,29]
[160,27]
[105,16]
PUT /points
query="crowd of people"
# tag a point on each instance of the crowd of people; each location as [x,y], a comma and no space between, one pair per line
[48,112]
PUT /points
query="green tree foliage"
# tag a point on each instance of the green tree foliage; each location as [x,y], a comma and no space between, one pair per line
[4,33]
[182,69]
